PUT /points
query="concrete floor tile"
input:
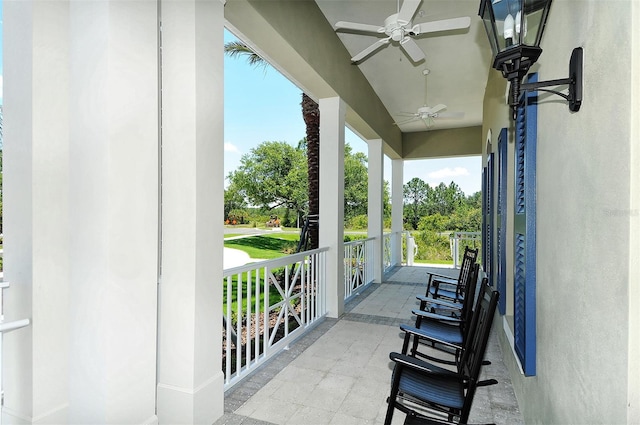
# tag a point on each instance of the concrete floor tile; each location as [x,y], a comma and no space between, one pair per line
[275,411]
[327,398]
[308,415]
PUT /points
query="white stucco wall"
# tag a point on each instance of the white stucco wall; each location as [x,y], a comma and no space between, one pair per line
[585,213]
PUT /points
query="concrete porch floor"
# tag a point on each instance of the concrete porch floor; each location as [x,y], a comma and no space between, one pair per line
[340,372]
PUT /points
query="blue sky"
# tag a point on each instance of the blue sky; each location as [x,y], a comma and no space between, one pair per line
[262,105]
[1,54]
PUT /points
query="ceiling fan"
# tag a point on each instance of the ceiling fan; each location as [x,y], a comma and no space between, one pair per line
[398,28]
[428,114]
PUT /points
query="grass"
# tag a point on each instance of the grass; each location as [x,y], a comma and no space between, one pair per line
[265,247]
[449,262]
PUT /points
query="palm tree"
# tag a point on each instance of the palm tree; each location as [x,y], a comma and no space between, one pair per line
[311,116]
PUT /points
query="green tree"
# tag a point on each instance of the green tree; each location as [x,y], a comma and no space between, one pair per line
[234,199]
[447,199]
[356,181]
[273,175]
[416,193]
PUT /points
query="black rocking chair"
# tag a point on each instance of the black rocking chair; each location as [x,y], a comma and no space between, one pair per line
[444,333]
[428,392]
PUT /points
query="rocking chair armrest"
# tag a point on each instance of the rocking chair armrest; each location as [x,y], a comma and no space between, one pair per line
[421,334]
[424,367]
[486,383]
[437,276]
[448,286]
[440,303]
[432,316]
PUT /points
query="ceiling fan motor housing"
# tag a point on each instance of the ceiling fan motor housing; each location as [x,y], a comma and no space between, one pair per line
[395,28]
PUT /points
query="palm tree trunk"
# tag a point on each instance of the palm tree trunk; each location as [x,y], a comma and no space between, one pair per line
[311,115]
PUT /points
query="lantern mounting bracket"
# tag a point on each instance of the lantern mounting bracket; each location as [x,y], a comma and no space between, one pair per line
[574,97]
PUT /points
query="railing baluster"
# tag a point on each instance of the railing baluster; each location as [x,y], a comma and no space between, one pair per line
[257,316]
[239,324]
[247,339]
[228,331]
[266,326]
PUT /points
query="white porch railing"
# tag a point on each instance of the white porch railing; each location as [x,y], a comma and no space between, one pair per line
[395,247]
[267,305]
[358,265]
[460,239]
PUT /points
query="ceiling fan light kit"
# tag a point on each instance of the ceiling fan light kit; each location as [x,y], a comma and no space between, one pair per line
[399,28]
[515,29]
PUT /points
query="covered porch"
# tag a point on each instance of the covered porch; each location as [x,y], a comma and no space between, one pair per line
[340,372]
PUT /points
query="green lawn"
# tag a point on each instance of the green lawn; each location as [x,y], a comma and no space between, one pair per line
[266,247]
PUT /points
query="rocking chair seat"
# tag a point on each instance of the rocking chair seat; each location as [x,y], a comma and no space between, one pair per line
[437,389]
[438,332]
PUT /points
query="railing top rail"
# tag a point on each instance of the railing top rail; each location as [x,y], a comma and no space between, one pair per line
[464,234]
[359,241]
[277,262]
[395,233]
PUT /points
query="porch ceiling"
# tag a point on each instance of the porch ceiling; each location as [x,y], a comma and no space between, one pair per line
[297,37]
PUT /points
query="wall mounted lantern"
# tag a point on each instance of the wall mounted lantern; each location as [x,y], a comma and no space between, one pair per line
[515,28]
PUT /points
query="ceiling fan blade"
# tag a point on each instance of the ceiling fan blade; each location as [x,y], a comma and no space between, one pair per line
[408,9]
[452,115]
[354,26]
[405,121]
[366,52]
[413,50]
[439,107]
[443,25]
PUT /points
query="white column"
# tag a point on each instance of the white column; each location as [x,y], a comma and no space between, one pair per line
[190,379]
[375,204]
[397,206]
[332,117]
[81,211]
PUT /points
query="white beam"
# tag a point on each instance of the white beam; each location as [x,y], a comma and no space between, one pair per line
[332,118]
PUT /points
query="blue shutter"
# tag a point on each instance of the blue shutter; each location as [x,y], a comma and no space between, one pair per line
[501,233]
[484,216]
[524,231]
[488,216]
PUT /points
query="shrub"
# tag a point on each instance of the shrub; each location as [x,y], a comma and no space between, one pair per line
[358,222]
[432,246]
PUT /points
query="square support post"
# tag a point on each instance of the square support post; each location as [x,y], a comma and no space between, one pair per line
[397,206]
[190,379]
[81,211]
[332,119]
[375,209]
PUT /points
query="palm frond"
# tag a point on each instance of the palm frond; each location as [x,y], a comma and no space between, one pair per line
[238,48]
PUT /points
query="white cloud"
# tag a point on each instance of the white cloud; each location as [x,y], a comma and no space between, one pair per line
[230,147]
[449,172]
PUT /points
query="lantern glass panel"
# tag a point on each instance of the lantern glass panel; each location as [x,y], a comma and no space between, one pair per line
[505,13]
[491,30]
[535,15]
